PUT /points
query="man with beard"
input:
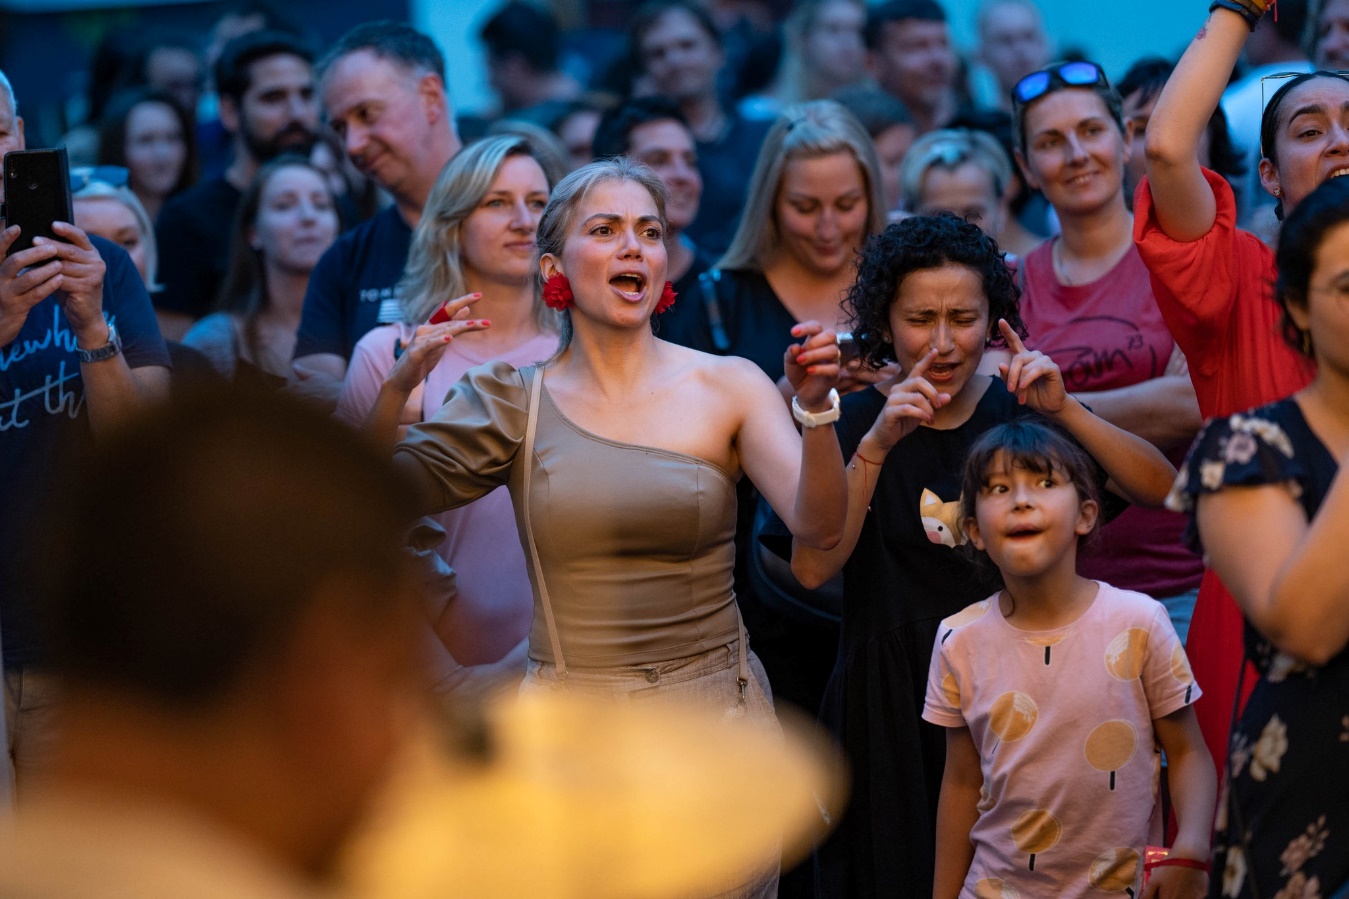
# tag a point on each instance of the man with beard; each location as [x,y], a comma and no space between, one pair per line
[265,81]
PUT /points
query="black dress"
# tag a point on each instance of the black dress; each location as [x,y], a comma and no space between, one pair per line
[903,578]
[757,325]
[1284,829]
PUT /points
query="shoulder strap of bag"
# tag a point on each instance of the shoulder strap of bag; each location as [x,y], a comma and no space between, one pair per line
[531,428]
[708,283]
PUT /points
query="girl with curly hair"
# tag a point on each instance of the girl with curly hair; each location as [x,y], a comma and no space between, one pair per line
[932,293]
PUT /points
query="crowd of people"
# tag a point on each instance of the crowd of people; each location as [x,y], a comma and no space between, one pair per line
[773,363]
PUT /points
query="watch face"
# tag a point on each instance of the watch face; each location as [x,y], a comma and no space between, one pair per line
[107,351]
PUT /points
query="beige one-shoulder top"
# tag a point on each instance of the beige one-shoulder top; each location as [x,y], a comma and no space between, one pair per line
[636,544]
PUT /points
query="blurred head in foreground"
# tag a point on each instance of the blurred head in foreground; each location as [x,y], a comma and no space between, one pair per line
[233,624]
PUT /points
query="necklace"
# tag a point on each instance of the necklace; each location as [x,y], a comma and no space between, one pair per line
[1056,259]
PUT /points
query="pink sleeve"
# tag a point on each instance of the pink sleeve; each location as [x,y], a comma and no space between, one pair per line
[1167,679]
[943,686]
[371,362]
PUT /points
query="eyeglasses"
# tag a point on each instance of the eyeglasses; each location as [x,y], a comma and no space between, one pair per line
[1079,73]
[85,175]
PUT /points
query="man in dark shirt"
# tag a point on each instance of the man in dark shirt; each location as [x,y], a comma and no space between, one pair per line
[383,90]
[266,85]
[679,48]
[79,350]
[909,54]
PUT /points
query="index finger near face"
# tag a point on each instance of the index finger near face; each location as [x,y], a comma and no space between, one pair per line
[1013,339]
[922,365]
[919,385]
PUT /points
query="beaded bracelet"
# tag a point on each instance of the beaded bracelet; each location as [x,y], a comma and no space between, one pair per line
[1194,863]
[1249,10]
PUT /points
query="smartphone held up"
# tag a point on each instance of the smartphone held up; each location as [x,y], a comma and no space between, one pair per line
[37,194]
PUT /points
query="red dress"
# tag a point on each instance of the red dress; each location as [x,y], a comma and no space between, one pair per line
[1216,294]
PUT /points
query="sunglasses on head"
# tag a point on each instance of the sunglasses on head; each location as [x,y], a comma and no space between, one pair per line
[111,175]
[1066,74]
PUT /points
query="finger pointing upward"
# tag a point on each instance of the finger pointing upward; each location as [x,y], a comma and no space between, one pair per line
[1009,334]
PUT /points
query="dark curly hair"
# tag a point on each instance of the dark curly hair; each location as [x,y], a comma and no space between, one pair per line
[1300,240]
[917,243]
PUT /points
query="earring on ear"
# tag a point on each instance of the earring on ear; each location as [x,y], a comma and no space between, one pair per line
[1278,192]
[667,298]
[1306,337]
[557,293]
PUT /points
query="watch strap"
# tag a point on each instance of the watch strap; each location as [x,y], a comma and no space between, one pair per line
[817,419]
[112,348]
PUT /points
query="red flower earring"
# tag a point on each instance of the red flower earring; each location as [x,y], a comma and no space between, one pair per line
[667,298]
[557,293]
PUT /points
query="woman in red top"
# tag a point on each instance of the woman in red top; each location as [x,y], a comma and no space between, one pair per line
[1214,282]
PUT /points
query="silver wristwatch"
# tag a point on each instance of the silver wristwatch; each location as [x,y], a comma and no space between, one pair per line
[107,351]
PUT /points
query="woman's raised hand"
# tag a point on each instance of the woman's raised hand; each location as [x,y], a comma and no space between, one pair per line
[812,366]
[912,402]
[1032,376]
[429,343]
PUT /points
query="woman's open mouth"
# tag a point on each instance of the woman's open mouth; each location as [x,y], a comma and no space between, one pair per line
[630,286]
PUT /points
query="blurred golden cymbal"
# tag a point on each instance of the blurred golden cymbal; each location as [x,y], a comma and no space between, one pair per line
[594,798]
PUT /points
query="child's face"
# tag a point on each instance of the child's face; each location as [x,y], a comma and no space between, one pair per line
[1029,522]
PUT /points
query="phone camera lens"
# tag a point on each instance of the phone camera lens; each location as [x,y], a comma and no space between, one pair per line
[32,185]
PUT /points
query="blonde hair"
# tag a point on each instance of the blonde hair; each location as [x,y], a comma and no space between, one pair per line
[794,79]
[950,149]
[804,131]
[568,195]
[435,266]
[98,190]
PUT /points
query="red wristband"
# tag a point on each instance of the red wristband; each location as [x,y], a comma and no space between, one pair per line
[858,455]
[1194,863]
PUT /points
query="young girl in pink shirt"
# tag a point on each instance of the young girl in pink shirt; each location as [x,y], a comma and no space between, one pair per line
[1058,694]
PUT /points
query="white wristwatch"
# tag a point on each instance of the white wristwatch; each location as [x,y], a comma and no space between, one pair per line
[816,419]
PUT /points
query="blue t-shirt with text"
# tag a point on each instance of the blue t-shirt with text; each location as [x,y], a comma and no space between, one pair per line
[44,425]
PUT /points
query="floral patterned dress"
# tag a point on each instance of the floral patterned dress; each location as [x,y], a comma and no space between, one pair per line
[1283,826]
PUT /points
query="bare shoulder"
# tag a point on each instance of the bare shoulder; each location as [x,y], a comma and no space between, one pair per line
[721,372]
